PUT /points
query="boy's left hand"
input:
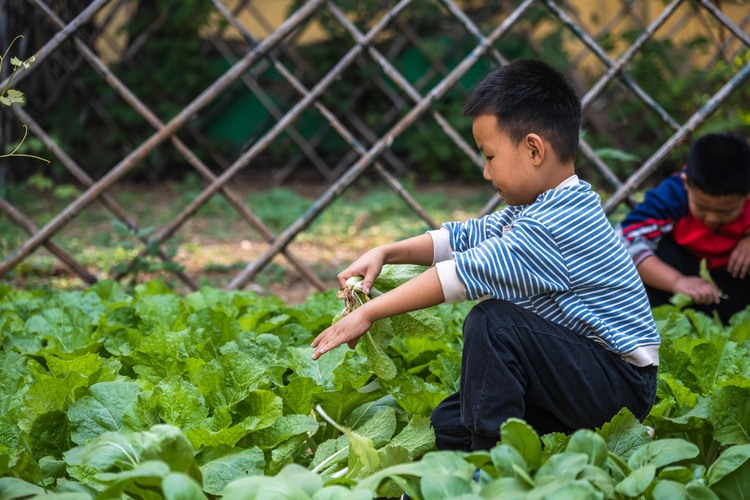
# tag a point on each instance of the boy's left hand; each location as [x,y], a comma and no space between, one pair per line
[739,259]
[347,330]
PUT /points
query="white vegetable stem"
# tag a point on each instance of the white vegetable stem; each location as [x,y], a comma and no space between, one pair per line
[355,283]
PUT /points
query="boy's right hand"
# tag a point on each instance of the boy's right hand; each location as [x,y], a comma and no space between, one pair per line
[699,289]
[368,265]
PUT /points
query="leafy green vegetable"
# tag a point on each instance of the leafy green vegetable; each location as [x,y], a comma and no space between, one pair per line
[83,413]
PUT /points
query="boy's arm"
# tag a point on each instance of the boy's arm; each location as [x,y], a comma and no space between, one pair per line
[418,293]
[645,225]
[656,273]
[415,250]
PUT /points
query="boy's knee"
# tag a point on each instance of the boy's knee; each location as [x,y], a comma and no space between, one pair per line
[495,317]
[485,314]
[450,434]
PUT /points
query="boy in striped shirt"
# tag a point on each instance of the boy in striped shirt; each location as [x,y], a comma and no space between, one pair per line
[562,334]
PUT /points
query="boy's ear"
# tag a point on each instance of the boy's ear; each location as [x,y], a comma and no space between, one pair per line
[683,176]
[535,148]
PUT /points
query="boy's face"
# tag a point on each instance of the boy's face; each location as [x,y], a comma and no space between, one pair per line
[714,211]
[510,168]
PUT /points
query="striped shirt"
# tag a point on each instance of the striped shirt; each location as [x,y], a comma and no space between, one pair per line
[560,258]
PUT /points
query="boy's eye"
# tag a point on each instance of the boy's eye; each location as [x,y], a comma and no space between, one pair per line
[488,158]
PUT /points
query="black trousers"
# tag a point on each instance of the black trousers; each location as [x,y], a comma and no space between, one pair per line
[736,289]
[517,364]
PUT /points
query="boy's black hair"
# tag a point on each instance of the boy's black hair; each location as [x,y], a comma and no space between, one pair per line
[719,164]
[529,96]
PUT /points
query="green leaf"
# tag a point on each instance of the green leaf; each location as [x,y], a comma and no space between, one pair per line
[677,473]
[419,322]
[50,435]
[282,429]
[179,403]
[111,450]
[380,427]
[390,455]
[12,96]
[292,485]
[624,434]
[218,473]
[285,453]
[49,394]
[392,275]
[600,478]
[178,486]
[507,488]
[399,473]
[662,452]
[567,465]
[298,394]
[697,490]
[340,404]
[104,409]
[329,454]
[733,484]
[265,405]
[228,435]
[169,444]
[158,307]
[729,412]
[591,444]
[380,363]
[229,379]
[337,492]
[520,435]
[733,367]
[728,462]
[681,300]
[566,487]
[417,437]
[637,482]
[66,332]
[670,490]
[147,475]
[416,396]
[506,460]
[739,326]
[321,371]
[11,487]
[444,487]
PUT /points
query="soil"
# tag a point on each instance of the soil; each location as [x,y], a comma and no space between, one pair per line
[215,250]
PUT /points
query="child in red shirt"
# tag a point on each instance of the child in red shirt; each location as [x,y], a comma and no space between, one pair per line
[701,212]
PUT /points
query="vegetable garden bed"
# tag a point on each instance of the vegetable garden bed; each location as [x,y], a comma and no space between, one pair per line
[110,393]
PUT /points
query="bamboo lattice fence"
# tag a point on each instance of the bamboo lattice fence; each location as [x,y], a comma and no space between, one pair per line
[78,52]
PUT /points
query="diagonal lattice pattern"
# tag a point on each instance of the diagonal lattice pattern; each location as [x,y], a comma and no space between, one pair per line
[395,73]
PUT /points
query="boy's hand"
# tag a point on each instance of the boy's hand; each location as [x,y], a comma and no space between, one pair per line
[699,289]
[739,259]
[347,330]
[368,266]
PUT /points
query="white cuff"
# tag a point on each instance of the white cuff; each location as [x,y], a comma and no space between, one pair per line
[441,245]
[453,289]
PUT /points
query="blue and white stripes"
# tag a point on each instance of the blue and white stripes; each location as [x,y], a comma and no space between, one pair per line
[560,258]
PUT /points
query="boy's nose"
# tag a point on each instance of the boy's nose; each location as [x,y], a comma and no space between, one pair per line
[486,173]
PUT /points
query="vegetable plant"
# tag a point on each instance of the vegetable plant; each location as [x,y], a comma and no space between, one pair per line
[145,393]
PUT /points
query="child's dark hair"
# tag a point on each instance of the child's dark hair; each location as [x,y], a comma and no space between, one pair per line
[529,96]
[719,164]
